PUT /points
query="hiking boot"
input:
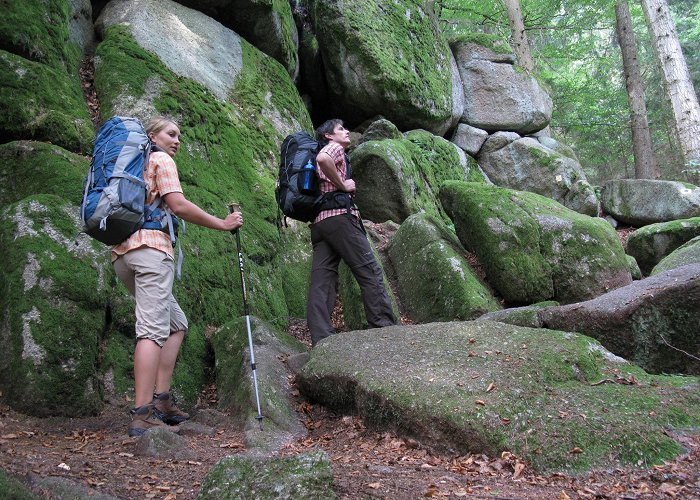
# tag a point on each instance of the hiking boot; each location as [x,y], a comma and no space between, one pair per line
[144,418]
[166,409]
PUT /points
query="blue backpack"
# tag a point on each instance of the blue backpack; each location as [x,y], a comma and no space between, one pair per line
[114,201]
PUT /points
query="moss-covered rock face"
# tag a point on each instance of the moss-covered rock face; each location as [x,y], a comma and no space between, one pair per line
[435,281]
[688,253]
[649,244]
[639,202]
[533,248]
[41,94]
[53,307]
[386,57]
[28,167]
[399,177]
[533,392]
[308,475]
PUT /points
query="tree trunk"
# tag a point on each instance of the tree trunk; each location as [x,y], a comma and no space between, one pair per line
[684,101]
[519,39]
[644,164]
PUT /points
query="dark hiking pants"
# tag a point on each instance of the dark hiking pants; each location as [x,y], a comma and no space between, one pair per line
[335,238]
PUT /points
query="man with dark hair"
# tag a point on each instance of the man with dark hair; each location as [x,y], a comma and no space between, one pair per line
[337,234]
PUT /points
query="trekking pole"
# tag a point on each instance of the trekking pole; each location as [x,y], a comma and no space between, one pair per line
[234,207]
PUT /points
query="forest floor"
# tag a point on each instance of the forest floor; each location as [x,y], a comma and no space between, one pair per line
[367,463]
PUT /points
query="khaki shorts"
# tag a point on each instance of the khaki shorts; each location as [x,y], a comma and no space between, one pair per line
[148,274]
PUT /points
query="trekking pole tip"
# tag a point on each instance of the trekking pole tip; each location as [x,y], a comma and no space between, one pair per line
[259,418]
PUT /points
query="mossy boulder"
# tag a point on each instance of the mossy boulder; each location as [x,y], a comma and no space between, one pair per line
[652,322]
[389,58]
[379,130]
[689,253]
[520,316]
[435,281]
[639,202]
[235,386]
[399,177]
[650,244]
[30,167]
[308,475]
[527,165]
[41,96]
[488,387]
[532,248]
[54,301]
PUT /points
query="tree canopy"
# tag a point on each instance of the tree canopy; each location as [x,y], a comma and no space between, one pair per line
[578,60]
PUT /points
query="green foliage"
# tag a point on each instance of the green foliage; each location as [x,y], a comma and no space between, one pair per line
[577,55]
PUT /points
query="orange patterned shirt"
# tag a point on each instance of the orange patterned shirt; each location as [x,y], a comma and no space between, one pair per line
[161,178]
[337,154]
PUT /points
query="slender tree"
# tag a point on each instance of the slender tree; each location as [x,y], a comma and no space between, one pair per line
[519,42]
[684,101]
[644,163]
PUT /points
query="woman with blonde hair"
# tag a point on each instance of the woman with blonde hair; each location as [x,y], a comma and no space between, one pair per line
[144,263]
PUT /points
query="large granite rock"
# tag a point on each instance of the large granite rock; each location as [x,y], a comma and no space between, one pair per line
[267,24]
[652,322]
[532,248]
[499,97]
[639,202]
[486,387]
[688,253]
[385,57]
[526,164]
[398,177]
[649,244]
[435,281]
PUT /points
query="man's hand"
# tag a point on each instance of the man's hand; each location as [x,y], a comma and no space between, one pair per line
[349,186]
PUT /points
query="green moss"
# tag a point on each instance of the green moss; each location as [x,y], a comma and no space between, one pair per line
[43,103]
[423,244]
[28,168]
[117,364]
[518,270]
[38,30]
[413,62]
[50,284]
[490,41]
[11,488]
[308,475]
